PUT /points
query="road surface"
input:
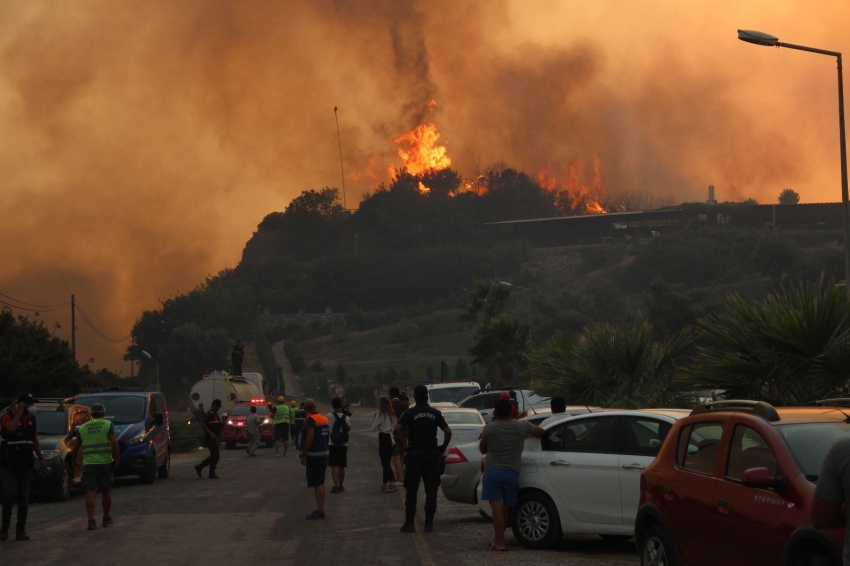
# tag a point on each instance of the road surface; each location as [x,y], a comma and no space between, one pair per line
[256,512]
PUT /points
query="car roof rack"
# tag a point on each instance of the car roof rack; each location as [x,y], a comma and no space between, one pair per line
[758,408]
[836,402]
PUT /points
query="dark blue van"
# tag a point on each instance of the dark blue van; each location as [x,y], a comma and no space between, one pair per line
[141,426]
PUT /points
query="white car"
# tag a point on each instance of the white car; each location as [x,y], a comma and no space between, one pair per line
[583,476]
[466,425]
[485,401]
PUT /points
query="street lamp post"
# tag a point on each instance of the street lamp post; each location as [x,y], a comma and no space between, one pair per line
[151,358]
[506,284]
[760,38]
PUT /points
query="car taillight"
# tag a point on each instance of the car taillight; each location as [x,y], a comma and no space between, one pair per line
[455,456]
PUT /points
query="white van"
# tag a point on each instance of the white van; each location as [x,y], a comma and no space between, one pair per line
[450,392]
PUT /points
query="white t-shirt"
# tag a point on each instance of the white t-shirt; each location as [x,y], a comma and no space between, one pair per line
[331,420]
[253,421]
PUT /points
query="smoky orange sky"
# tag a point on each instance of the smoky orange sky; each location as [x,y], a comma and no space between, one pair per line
[143,141]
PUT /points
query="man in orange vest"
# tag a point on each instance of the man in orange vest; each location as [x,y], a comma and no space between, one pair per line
[314,455]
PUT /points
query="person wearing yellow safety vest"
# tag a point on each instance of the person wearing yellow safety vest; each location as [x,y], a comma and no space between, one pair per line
[97,447]
[281,426]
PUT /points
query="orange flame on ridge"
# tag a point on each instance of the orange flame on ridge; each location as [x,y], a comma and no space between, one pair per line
[573,197]
[419,149]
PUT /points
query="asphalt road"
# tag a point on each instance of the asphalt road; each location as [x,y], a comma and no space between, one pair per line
[256,512]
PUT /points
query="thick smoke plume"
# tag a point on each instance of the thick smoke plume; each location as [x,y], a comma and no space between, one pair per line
[143,141]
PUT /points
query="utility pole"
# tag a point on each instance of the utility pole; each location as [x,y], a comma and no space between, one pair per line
[73,326]
[341,170]
[132,361]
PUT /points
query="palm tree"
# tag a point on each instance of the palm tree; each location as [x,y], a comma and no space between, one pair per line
[501,343]
[791,348]
[611,365]
[487,300]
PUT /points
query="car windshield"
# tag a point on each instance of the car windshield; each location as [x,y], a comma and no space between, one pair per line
[809,443]
[463,418]
[52,422]
[451,394]
[242,410]
[120,409]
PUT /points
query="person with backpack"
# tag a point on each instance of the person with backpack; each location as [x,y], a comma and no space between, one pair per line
[338,449]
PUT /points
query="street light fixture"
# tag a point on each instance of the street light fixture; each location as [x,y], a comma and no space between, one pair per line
[151,358]
[761,38]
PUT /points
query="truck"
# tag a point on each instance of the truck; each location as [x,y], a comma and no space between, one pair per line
[230,389]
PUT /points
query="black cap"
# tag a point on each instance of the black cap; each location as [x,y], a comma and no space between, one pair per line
[420,391]
[216,403]
[27,398]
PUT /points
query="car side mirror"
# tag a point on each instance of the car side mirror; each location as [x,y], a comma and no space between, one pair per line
[158,419]
[761,478]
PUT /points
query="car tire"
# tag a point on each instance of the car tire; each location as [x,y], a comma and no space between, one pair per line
[814,558]
[165,469]
[656,549]
[149,475]
[229,444]
[535,522]
[61,490]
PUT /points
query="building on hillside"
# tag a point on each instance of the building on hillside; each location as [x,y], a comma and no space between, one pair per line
[642,225]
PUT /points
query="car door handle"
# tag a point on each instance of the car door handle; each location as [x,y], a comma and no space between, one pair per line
[721,502]
[559,463]
[633,467]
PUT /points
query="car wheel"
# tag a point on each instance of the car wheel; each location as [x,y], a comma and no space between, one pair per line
[535,521]
[149,475]
[62,488]
[657,549]
[165,469]
[813,558]
[229,444]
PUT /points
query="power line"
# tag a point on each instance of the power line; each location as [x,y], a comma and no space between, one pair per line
[97,331]
[39,310]
[34,305]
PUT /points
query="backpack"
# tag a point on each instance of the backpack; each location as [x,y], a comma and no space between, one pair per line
[339,434]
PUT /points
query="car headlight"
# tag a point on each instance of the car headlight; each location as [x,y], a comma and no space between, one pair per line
[139,438]
[230,422]
[266,421]
[48,454]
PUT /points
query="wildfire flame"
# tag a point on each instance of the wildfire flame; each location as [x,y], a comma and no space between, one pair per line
[573,197]
[420,150]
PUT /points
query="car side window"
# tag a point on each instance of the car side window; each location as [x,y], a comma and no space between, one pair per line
[160,404]
[644,436]
[151,408]
[749,450]
[587,435]
[474,403]
[697,449]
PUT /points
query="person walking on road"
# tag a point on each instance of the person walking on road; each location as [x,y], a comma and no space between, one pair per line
[399,407]
[423,456]
[212,428]
[20,441]
[97,447]
[338,448]
[252,423]
[383,422]
[281,426]
[300,413]
[502,442]
[314,455]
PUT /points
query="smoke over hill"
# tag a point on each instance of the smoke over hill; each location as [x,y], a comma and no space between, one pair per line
[144,141]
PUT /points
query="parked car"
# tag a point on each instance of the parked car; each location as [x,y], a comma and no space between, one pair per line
[485,401]
[57,420]
[583,476]
[451,392]
[463,462]
[537,415]
[235,429]
[141,426]
[733,484]
[466,425]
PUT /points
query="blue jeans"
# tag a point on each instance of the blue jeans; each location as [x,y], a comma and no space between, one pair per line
[16,488]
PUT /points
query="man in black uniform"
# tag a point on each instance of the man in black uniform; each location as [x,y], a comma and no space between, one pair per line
[423,456]
[20,442]
[237,356]
[212,428]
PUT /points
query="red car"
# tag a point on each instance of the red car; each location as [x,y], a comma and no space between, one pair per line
[235,430]
[733,485]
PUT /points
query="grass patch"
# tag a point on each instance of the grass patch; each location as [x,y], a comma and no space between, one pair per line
[185,437]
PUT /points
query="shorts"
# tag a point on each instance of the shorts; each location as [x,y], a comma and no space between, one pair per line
[281,432]
[316,467]
[97,478]
[500,484]
[338,456]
